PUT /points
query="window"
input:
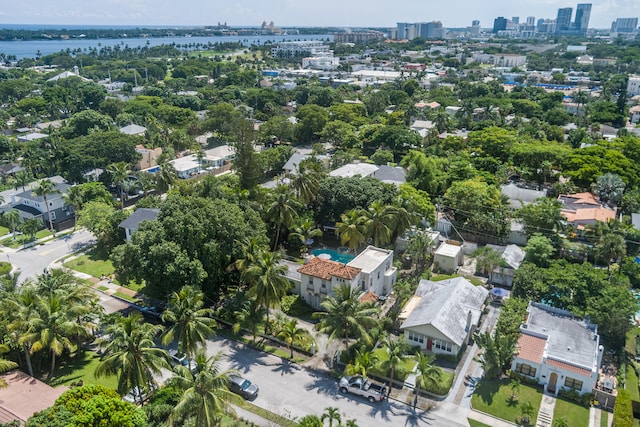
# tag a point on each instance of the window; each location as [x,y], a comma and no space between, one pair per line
[414,336]
[324,284]
[524,369]
[573,383]
[442,345]
[311,280]
[378,274]
[53,215]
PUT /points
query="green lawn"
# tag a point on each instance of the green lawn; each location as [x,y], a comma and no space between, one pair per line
[604,419]
[632,381]
[576,415]
[10,242]
[91,264]
[474,423]
[3,230]
[631,343]
[125,297]
[401,372]
[494,398]
[81,368]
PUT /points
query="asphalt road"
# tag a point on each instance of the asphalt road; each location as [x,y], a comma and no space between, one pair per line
[293,391]
[33,261]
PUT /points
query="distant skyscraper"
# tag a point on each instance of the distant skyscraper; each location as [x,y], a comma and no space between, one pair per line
[515,20]
[499,24]
[563,21]
[431,30]
[583,13]
[475,23]
[624,25]
[531,21]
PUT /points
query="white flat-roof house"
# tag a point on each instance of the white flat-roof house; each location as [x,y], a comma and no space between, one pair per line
[448,257]
[377,273]
[442,316]
[558,349]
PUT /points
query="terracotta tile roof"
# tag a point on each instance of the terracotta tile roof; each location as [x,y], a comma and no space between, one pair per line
[568,367]
[369,297]
[589,214]
[579,198]
[531,348]
[326,269]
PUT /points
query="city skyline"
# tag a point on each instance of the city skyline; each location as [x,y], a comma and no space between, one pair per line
[357,13]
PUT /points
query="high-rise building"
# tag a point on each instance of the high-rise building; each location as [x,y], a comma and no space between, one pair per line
[624,25]
[431,30]
[515,20]
[563,21]
[583,13]
[531,21]
[499,24]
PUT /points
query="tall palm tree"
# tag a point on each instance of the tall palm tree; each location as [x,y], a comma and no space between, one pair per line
[378,223]
[305,231]
[427,373]
[22,307]
[251,249]
[166,176]
[204,396]
[250,316]
[418,248]
[73,197]
[346,316]
[350,229]
[527,411]
[487,260]
[332,414]
[267,280]
[119,174]
[292,334]
[282,210]
[609,188]
[363,361]
[395,351]
[306,183]
[131,354]
[45,188]
[54,327]
[12,218]
[5,365]
[611,248]
[192,323]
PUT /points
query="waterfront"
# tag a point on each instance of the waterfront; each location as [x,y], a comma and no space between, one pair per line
[29,49]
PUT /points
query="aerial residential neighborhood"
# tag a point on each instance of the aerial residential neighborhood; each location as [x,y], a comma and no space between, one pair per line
[274,225]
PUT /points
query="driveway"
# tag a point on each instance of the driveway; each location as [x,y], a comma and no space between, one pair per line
[293,391]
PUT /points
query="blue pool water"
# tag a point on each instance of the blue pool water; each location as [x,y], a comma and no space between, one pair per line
[334,255]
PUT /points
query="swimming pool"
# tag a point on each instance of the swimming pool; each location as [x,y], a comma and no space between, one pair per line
[333,255]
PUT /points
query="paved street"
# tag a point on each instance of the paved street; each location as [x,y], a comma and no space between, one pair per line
[33,261]
[290,390]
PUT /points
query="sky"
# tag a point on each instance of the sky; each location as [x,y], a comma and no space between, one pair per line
[289,13]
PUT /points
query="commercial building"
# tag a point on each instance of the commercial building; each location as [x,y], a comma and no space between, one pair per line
[624,25]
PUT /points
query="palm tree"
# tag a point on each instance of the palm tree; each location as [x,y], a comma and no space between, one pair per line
[250,316]
[527,411]
[22,308]
[346,316]
[119,174]
[267,280]
[12,217]
[305,231]
[73,197]
[362,363]
[611,248]
[350,229]
[378,223]
[204,396]
[191,323]
[351,423]
[53,327]
[306,183]
[282,210]
[487,260]
[292,334]
[396,354]
[5,365]
[332,414]
[427,373]
[418,248]
[609,188]
[131,354]
[251,248]
[165,177]
[45,188]
[561,422]
[515,388]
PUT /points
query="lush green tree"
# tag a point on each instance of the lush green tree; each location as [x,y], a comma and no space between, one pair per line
[332,415]
[304,231]
[363,361]
[527,411]
[191,323]
[85,122]
[396,353]
[609,188]
[539,250]
[249,316]
[487,261]
[12,219]
[350,229]
[307,181]
[90,405]
[543,216]
[30,227]
[611,248]
[282,210]
[377,223]
[339,134]
[345,316]
[310,421]
[311,120]
[166,176]
[425,173]
[204,396]
[101,219]
[131,354]
[120,175]
[246,162]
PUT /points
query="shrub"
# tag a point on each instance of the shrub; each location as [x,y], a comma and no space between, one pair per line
[623,411]
[5,268]
[295,306]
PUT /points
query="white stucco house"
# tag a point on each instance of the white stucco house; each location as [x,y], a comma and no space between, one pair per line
[558,349]
[448,257]
[442,316]
[372,272]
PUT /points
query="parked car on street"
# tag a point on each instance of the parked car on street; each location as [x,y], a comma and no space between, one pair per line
[182,359]
[243,387]
[361,386]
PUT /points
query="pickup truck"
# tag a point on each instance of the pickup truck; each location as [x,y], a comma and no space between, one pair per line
[363,387]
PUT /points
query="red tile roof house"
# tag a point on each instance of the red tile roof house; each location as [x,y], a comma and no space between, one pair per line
[558,349]
[583,209]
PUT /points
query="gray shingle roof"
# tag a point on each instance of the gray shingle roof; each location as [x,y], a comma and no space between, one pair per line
[519,196]
[134,220]
[445,306]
